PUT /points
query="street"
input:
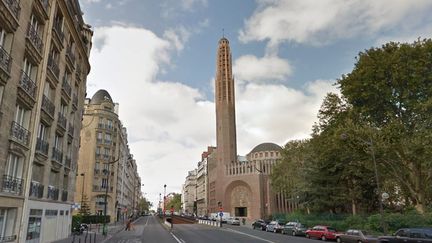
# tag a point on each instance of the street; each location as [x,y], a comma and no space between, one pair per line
[148,229]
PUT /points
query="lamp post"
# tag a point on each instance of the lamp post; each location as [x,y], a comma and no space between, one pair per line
[160,204]
[107,173]
[164,200]
[370,144]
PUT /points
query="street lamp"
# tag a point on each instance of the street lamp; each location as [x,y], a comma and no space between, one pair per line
[370,144]
[107,173]
[164,199]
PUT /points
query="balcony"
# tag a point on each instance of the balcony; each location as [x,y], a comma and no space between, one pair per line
[35,39]
[12,184]
[42,146]
[78,72]
[108,142]
[70,56]
[71,130]
[53,67]
[101,189]
[36,189]
[96,171]
[48,107]
[28,85]
[66,88]
[57,156]
[61,121]
[99,140]
[9,14]
[64,196]
[75,101]
[57,27]
[43,7]
[53,193]
[5,64]
[68,161]
[20,134]
[10,238]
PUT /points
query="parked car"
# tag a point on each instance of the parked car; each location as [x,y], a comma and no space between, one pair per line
[294,229]
[275,226]
[322,232]
[260,224]
[356,236]
[233,221]
[409,235]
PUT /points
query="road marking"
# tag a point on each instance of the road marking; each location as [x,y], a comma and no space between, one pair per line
[253,236]
[177,239]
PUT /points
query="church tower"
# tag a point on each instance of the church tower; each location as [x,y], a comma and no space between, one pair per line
[226,140]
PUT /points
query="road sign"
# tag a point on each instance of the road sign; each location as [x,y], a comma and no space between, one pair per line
[221,214]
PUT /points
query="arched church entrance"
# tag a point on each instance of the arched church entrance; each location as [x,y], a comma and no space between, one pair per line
[240,198]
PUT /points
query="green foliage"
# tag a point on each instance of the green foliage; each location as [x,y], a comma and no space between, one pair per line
[144,205]
[76,221]
[175,202]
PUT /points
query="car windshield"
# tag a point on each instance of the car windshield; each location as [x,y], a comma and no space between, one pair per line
[281,223]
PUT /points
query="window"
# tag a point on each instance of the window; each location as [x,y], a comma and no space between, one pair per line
[15,166]
[29,69]
[5,40]
[42,132]
[34,24]
[109,124]
[104,183]
[54,178]
[99,136]
[22,116]
[7,221]
[63,109]
[1,93]
[48,91]
[58,142]
[401,233]
[34,224]
[107,138]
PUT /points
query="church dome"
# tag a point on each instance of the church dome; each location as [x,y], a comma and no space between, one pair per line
[266,147]
[100,97]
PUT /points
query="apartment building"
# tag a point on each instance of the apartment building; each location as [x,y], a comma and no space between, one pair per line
[44,51]
[189,192]
[202,182]
[109,178]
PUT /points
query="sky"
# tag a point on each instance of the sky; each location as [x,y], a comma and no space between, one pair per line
[156,58]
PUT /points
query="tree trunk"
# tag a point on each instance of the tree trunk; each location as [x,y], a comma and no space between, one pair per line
[354,207]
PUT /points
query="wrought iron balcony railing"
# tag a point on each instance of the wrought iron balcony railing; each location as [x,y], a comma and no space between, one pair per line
[36,189]
[64,196]
[27,84]
[45,5]
[20,133]
[9,238]
[57,156]
[53,193]
[42,146]
[99,140]
[13,7]
[5,59]
[48,106]
[61,120]
[66,87]
[34,37]
[53,66]
[96,171]
[12,184]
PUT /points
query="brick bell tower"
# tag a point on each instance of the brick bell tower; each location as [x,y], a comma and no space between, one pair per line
[226,140]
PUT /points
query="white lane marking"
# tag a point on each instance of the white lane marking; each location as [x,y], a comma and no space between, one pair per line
[177,239]
[253,236]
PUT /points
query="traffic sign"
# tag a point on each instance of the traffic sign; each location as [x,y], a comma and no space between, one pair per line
[221,214]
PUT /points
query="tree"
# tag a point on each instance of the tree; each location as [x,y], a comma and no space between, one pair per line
[144,205]
[85,208]
[175,202]
[391,90]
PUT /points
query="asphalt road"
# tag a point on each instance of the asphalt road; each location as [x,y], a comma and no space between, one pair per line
[148,229]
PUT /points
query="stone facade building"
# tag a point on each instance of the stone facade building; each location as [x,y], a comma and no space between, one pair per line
[109,176]
[189,193]
[44,51]
[202,182]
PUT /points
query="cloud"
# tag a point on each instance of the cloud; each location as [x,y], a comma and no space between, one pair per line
[191,4]
[253,69]
[321,22]
[178,36]
[170,124]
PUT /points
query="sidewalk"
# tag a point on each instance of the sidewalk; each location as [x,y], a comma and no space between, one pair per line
[89,237]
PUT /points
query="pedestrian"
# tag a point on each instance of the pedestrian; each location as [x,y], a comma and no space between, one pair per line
[128,225]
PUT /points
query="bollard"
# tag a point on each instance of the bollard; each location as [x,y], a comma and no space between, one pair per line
[94,241]
[79,240]
[85,237]
[73,238]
